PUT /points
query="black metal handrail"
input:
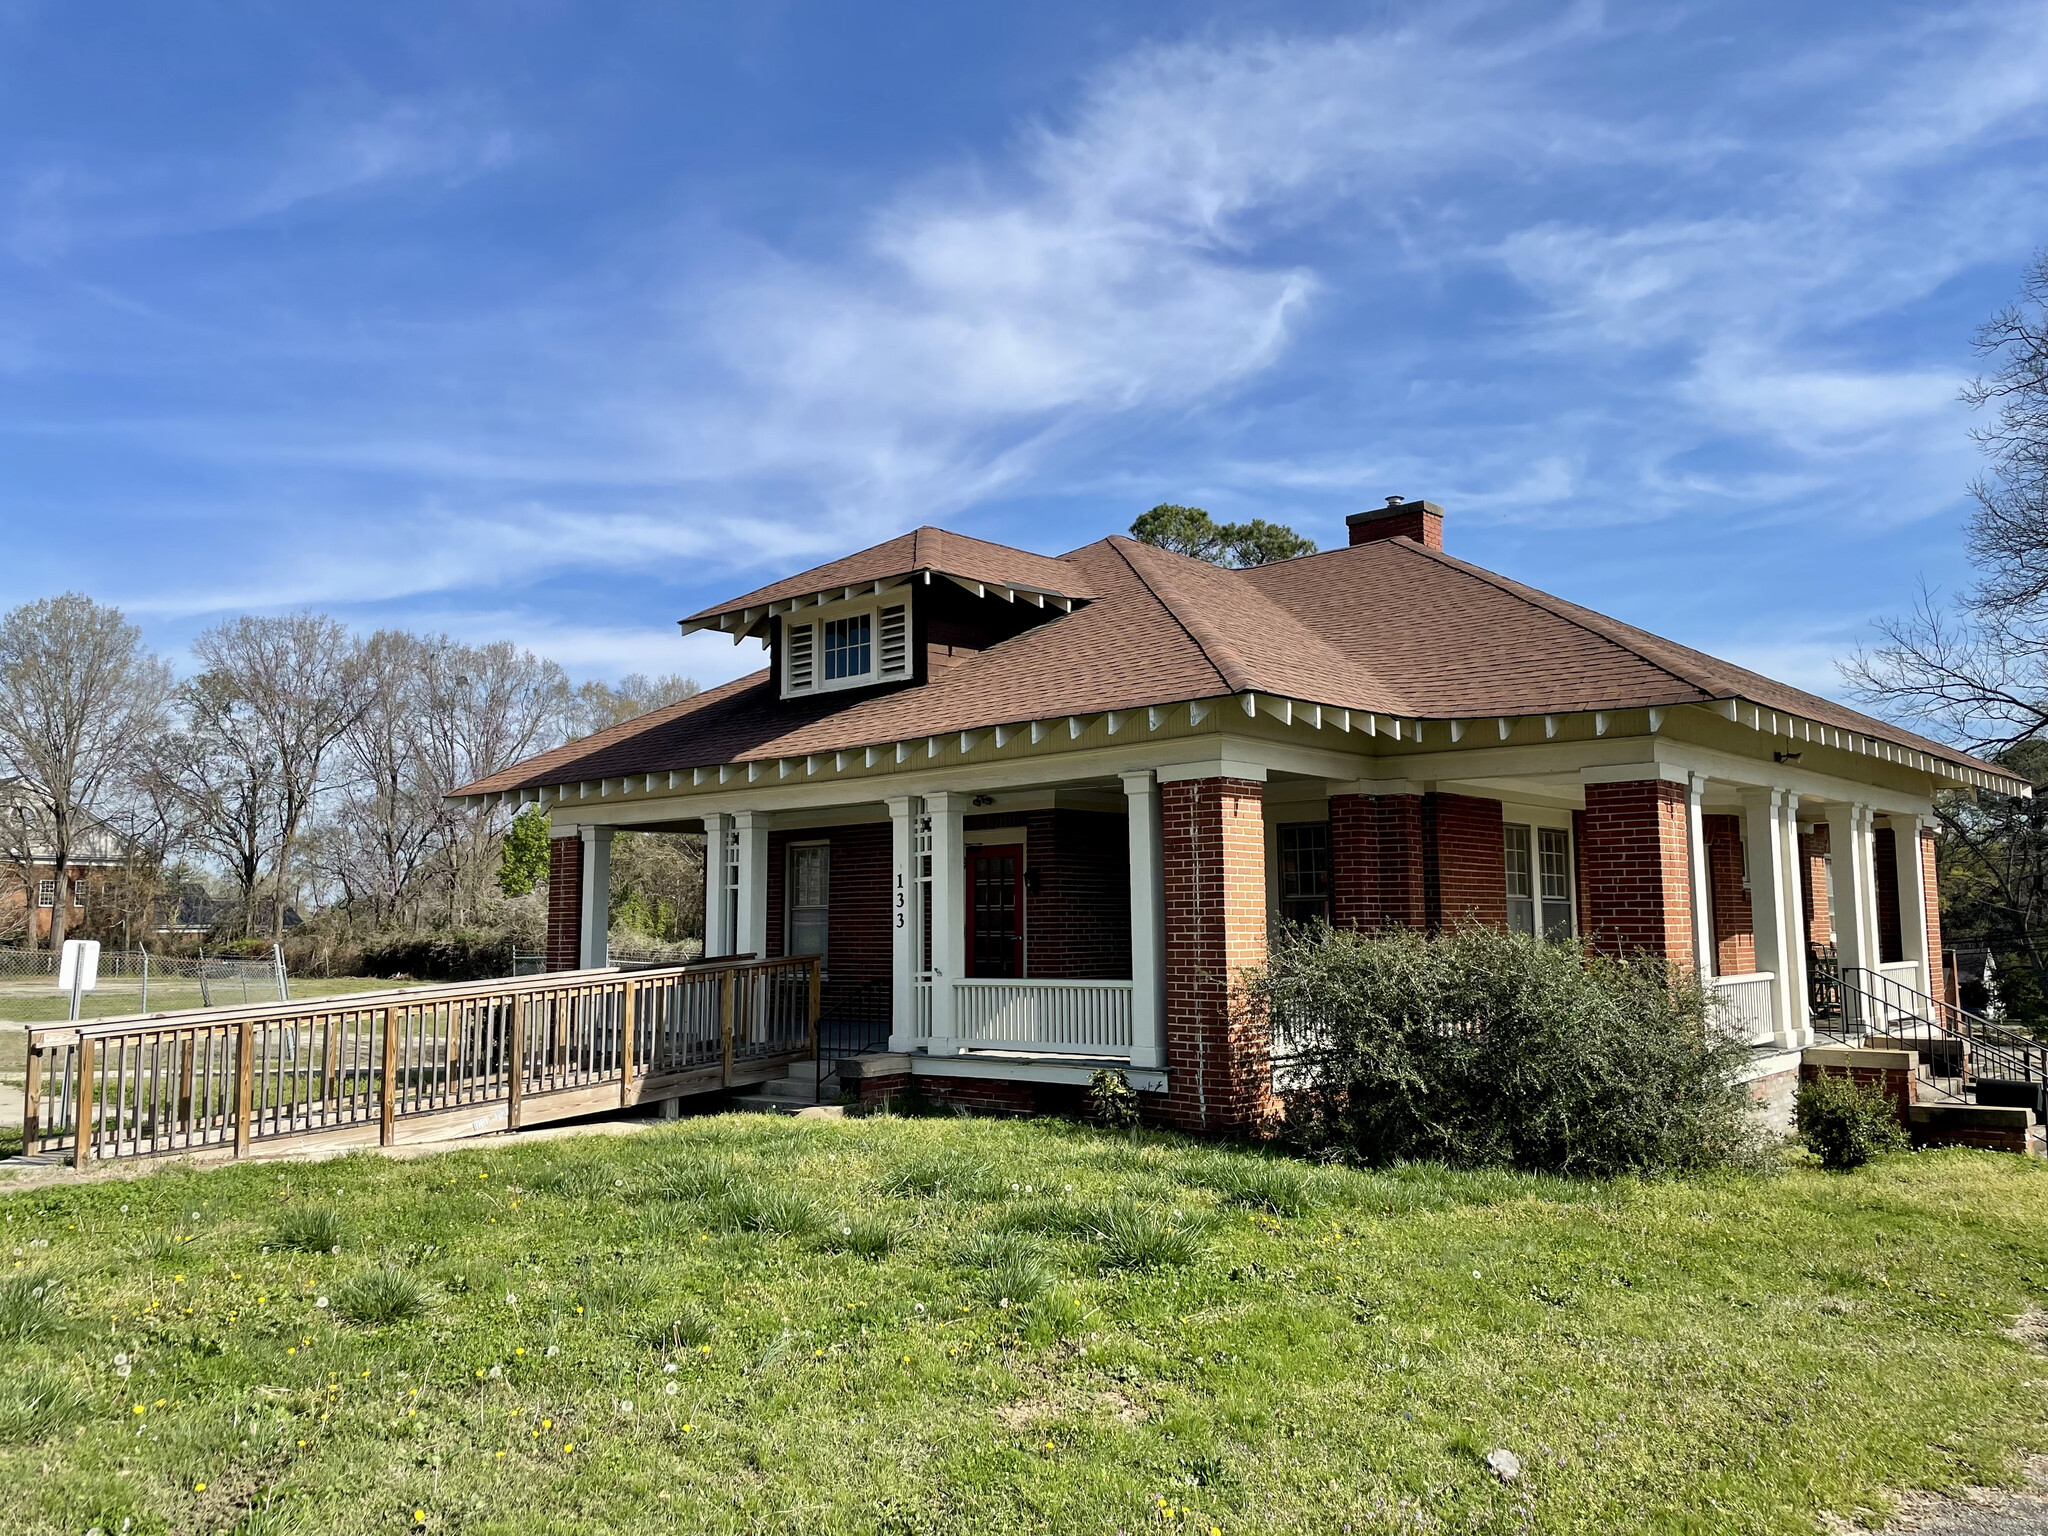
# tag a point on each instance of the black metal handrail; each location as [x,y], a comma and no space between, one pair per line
[1873,1003]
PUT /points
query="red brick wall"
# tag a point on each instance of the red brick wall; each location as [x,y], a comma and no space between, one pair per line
[1813,883]
[1376,861]
[1078,921]
[1465,861]
[1634,856]
[1215,878]
[1890,940]
[1931,890]
[1900,1086]
[859,962]
[565,903]
[1733,925]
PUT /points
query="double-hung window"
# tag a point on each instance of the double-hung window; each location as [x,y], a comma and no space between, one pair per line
[810,891]
[1539,880]
[46,893]
[1305,871]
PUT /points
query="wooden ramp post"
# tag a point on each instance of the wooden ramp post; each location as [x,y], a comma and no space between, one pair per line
[517,1086]
[245,1082]
[388,1112]
[88,1053]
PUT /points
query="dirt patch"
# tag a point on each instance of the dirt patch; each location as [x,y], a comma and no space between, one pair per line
[2031,1329]
[1977,1512]
[1126,1410]
[1028,1412]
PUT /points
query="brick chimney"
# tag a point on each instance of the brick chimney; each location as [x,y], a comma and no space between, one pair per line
[1422,521]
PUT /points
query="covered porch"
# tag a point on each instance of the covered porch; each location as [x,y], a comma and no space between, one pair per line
[1013,930]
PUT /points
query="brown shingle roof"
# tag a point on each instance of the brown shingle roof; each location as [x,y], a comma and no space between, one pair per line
[922,549]
[1387,627]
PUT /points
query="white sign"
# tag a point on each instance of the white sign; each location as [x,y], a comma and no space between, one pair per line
[81,960]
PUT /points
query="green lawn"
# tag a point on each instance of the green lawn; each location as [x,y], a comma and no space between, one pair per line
[978,1353]
[22,1002]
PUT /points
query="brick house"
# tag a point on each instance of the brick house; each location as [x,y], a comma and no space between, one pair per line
[1037,812]
[30,886]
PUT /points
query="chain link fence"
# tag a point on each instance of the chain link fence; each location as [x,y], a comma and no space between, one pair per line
[134,981]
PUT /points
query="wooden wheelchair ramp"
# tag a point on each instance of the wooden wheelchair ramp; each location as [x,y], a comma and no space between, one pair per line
[414,1064]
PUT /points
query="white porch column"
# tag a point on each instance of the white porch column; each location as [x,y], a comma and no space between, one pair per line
[1792,913]
[906,923]
[1855,891]
[718,912]
[751,938]
[947,811]
[595,948]
[1704,959]
[1148,923]
[1912,897]
[1763,838]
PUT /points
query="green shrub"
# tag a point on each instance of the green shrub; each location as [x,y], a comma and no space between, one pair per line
[1486,1048]
[1847,1123]
[1134,1236]
[31,1307]
[1112,1101]
[384,1295]
[36,1401]
[309,1229]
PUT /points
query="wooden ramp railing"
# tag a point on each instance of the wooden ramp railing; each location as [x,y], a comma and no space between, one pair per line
[416,1064]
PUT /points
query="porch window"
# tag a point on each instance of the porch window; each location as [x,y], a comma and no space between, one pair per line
[810,886]
[1305,871]
[847,646]
[1539,875]
[46,893]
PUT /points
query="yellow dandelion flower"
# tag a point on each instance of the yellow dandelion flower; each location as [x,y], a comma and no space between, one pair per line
[199,1487]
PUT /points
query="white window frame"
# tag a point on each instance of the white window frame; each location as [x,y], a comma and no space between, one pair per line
[46,893]
[789,903]
[1539,820]
[888,661]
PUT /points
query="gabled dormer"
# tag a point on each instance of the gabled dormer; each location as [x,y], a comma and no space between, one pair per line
[844,643]
[888,615]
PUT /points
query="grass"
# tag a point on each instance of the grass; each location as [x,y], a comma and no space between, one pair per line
[583,1328]
[24,1001]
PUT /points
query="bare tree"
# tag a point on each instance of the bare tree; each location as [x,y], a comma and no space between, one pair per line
[599,705]
[484,708]
[298,677]
[221,773]
[80,698]
[1978,676]
[387,829]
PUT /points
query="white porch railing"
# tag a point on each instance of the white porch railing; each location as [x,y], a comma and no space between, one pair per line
[1083,1017]
[1746,1005]
[1905,972]
[921,1023]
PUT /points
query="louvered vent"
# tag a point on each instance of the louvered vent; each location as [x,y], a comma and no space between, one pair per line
[895,651]
[799,658]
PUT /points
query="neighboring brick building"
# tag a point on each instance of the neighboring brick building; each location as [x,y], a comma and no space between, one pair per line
[1040,814]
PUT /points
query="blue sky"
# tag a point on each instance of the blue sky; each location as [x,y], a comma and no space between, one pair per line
[557,321]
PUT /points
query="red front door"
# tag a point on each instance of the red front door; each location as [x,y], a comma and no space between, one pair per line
[995,917]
